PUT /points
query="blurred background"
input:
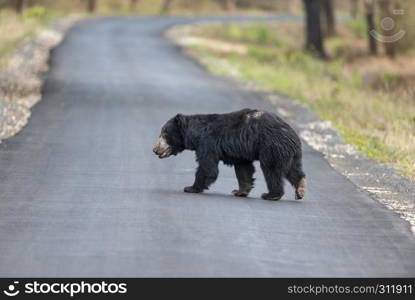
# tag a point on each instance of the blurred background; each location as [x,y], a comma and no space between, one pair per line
[351,61]
[157,6]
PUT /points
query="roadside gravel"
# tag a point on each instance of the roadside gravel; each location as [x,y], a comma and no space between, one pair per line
[22,80]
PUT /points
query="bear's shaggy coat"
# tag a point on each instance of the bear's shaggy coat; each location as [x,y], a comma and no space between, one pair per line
[238,139]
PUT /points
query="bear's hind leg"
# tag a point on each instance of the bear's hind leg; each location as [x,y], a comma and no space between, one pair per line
[244,173]
[274,179]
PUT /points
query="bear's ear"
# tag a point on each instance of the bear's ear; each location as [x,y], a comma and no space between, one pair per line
[179,119]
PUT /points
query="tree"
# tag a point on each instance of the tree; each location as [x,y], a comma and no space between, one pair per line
[230,5]
[30,3]
[254,4]
[329,17]
[370,20]
[19,6]
[354,8]
[133,5]
[91,6]
[314,40]
[165,8]
[387,17]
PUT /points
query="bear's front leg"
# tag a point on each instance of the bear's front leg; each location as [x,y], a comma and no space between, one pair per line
[206,174]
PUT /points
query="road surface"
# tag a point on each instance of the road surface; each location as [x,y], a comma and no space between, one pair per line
[82,194]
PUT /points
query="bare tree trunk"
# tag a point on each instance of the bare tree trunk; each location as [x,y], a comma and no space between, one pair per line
[254,4]
[230,5]
[370,20]
[19,6]
[354,8]
[30,3]
[91,6]
[386,8]
[314,33]
[133,5]
[329,17]
[165,9]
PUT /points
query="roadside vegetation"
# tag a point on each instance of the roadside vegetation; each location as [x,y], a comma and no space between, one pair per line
[14,28]
[369,99]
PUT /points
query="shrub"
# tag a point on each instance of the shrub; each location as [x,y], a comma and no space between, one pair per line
[37,12]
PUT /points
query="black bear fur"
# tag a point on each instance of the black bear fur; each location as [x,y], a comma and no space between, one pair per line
[238,139]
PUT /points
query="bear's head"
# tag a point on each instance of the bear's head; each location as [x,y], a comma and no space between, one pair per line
[171,141]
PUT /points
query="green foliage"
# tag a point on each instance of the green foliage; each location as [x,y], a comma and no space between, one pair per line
[372,146]
[260,34]
[256,34]
[389,79]
[37,12]
[235,32]
[356,80]
[262,55]
[299,58]
[358,27]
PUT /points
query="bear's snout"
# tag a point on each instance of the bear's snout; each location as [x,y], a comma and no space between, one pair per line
[162,149]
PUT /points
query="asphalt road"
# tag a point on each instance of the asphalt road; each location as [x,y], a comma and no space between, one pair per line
[82,194]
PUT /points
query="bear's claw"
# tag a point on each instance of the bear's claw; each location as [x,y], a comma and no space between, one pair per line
[191,189]
[239,193]
[267,196]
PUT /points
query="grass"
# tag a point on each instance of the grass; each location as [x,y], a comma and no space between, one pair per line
[378,121]
[14,29]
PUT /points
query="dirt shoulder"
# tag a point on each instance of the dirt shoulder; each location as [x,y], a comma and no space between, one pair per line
[22,79]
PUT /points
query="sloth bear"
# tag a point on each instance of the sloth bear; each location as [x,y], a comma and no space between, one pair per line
[237,138]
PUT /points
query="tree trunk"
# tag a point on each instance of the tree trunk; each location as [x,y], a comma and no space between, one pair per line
[314,34]
[133,5]
[91,6]
[370,20]
[386,8]
[230,5]
[19,6]
[254,4]
[30,3]
[165,9]
[329,17]
[354,8]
